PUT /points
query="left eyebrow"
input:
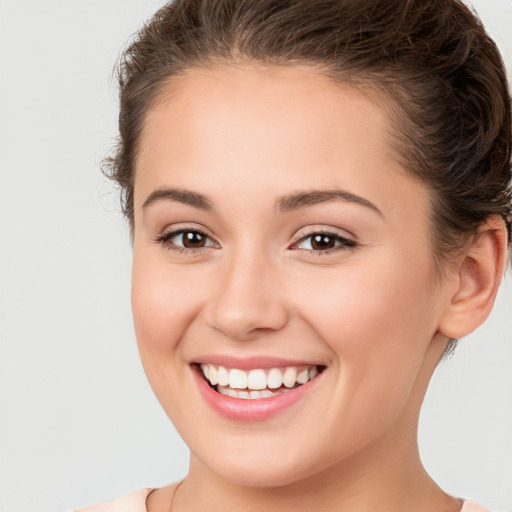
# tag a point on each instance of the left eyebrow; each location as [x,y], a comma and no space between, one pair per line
[308,198]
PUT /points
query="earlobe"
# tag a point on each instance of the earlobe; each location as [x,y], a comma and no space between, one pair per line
[478,277]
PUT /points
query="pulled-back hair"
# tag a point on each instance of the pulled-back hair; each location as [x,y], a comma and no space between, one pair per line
[431,63]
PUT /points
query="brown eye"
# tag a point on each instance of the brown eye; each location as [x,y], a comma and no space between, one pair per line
[186,239]
[193,239]
[321,242]
[324,242]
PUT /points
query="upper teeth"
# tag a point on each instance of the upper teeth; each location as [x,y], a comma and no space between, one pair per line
[258,379]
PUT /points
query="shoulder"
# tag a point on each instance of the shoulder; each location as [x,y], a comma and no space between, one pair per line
[161,498]
[471,506]
[132,502]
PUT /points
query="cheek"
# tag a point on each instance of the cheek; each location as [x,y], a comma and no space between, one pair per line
[379,300]
[165,300]
[376,318]
[377,323]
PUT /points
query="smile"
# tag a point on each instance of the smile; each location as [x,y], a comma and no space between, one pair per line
[257,383]
[255,389]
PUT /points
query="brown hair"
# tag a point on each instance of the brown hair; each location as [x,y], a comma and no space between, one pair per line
[432,61]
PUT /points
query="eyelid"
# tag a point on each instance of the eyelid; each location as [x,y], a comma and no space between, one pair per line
[322,229]
[174,230]
[184,226]
[348,242]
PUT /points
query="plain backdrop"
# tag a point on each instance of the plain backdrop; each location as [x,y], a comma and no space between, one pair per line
[78,421]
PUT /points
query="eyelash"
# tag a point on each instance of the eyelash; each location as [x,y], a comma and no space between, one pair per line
[343,243]
[166,238]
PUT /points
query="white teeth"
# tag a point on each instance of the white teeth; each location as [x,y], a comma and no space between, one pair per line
[233,393]
[290,377]
[257,383]
[275,378]
[237,379]
[303,376]
[257,380]
[249,395]
[222,376]
[228,392]
[212,374]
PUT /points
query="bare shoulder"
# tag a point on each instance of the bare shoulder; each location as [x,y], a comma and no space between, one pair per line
[133,501]
[159,500]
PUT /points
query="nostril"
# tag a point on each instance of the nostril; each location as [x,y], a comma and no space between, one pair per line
[246,305]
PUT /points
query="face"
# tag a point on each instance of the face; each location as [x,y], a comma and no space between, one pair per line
[280,249]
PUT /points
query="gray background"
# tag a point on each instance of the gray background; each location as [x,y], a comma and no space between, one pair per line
[78,421]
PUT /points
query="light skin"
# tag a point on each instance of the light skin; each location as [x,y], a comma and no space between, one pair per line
[260,160]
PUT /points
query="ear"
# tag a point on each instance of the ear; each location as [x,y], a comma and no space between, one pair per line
[477,278]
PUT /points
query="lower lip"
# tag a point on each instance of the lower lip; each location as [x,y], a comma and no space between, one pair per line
[259,409]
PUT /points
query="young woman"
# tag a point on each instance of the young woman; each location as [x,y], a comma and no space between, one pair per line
[319,198]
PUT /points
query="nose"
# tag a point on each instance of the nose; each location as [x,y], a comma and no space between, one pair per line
[248,299]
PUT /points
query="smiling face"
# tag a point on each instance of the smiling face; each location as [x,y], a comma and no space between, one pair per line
[279,248]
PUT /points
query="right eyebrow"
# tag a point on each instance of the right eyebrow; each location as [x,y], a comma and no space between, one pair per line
[181,196]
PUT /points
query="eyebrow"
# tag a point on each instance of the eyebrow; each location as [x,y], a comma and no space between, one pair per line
[308,198]
[181,196]
[291,202]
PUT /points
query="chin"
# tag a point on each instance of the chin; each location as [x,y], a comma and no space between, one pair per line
[269,466]
[270,474]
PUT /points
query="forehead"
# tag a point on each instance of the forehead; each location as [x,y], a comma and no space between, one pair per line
[236,131]
[297,101]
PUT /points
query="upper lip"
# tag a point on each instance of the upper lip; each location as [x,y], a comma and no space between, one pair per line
[254,362]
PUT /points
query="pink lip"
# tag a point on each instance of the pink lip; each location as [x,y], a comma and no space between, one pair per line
[252,363]
[251,410]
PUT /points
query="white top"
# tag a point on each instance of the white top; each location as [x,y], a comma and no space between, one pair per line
[136,502]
